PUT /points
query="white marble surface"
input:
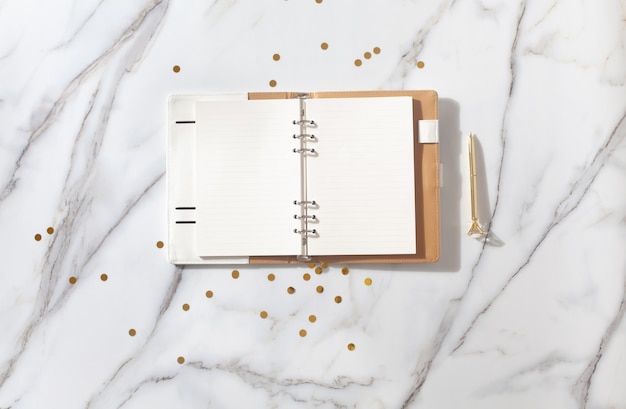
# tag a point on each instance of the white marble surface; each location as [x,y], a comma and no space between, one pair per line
[532,318]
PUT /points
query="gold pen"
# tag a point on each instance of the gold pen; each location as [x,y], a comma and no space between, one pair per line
[475,229]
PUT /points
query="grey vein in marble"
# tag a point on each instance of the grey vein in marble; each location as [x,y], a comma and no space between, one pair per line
[76,195]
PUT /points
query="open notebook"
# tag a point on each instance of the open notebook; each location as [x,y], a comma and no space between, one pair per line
[282,177]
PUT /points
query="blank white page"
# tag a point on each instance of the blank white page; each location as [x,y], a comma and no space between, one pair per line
[247,178]
[363,176]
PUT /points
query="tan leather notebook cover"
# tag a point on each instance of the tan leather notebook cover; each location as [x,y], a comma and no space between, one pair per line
[425,107]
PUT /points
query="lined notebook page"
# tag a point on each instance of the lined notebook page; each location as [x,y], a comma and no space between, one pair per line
[363,176]
[247,178]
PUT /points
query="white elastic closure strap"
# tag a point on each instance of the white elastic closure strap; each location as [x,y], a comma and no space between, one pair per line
[428,131]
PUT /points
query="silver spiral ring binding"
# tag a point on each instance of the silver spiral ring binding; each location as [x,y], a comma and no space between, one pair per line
[304,122]
[302,150]
[311,202]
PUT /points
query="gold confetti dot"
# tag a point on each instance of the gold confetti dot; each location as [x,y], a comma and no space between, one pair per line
[291,290]
[420,64]
[318,270]
[263,314]
[176,68]
[345,271]
[271,277]
[159,244]
[235,274]
[37,237]
[272,83]
[367,55]
[324,265]
[50,230]
[351,347]
[306,277]
[368,281]
[312,318]
[104,277]
[358,62]
[209,294]
[376,50]
[319,289]
[276,57]
[338,299]
[185,307]
[311,265]
[324,46]
[73,280]
[180,360]
[318,1]
[132,332]
[303,333]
